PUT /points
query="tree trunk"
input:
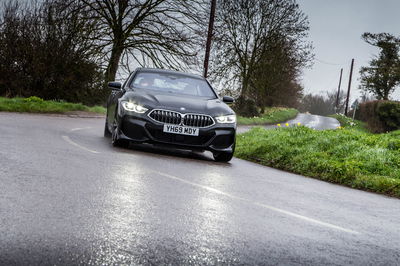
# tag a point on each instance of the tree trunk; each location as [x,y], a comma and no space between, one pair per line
[386,95]
[113,64]
[245,85]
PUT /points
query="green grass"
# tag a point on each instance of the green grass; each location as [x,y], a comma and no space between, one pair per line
[271,115]
[37,105]
[349,123]
[350,157]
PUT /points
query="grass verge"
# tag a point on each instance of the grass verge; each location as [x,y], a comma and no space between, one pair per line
[37,105]
[348,157]
[349,123]
[271,115]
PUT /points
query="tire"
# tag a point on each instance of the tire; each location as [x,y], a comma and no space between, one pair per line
[223,156]
[107,132]
[116,141]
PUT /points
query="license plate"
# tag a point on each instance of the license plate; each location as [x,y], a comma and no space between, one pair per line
[191,131]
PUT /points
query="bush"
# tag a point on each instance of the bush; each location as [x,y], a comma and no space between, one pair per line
[246,107]
[37,105]
[44,52]
[368,114]
[381,116]
[34,99]
[389,114]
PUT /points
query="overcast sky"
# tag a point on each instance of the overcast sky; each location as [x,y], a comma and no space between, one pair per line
[336,27]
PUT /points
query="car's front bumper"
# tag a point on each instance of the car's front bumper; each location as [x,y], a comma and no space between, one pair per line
[142,129]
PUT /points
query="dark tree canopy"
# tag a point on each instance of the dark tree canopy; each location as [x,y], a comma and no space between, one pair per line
[382,76]
[44,52]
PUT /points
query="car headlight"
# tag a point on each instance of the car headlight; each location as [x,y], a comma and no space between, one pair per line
[226,119]
[129,106]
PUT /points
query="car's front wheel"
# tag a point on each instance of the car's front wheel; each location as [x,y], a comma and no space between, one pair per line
[116,141]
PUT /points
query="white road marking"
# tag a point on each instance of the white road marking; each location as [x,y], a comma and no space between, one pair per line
[67,139]
[79,128]
[298,216]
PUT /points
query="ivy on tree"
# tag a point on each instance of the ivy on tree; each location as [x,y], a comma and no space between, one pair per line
[382,76]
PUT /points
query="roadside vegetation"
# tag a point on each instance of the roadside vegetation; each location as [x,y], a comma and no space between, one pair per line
[271,115]
[347,122]
[348,156]
[71,49]
[37,105]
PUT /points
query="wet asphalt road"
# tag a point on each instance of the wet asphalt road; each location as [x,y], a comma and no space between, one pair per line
[316,122]
[68,197]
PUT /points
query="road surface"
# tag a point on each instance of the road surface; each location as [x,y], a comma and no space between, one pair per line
[312,121]
[68,197]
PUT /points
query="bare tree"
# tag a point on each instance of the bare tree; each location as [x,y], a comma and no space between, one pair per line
[275,78]
[246,33]
[151,32]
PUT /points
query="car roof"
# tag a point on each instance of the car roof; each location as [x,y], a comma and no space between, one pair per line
[159,70]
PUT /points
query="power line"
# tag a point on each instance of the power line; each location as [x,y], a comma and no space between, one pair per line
[329,63]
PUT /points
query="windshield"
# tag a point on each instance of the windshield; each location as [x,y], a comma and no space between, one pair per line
[173,83]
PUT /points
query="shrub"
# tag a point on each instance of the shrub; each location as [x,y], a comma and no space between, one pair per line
[368,114]
[35,104]
[44,51]
[246,107]
[34,99]
[389,114]
[381,116]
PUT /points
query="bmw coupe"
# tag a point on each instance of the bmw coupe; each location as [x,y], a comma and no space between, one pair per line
[170,108]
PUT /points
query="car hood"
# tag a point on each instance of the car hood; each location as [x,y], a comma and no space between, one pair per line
[168,101]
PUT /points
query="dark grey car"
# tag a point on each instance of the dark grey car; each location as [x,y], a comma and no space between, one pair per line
[170,108]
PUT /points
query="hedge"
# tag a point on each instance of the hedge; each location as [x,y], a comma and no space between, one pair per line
[381,116]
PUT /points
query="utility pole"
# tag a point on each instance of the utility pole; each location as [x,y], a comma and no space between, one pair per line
[348,90]
[209,36]
[338,92]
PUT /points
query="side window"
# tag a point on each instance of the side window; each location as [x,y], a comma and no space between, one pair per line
[125,85]
[137,80]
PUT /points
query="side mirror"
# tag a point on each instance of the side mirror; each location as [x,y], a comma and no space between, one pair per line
[228,99]
[114,85]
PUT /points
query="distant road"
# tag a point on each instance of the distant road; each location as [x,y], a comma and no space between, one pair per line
[312,121]
[67,197]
